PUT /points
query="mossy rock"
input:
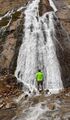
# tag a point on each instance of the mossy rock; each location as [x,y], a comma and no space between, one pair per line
[16,16]
[3,36]
[4,22]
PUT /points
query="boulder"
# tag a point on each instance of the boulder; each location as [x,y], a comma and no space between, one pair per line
[51,106]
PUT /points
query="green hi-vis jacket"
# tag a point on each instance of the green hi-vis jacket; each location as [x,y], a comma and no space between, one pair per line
[39,76]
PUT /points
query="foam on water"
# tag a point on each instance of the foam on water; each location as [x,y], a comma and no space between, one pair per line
[33,113]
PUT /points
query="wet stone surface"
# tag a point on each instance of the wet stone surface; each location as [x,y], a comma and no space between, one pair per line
[20,106]
[46,108]
[13,102]
[7,114]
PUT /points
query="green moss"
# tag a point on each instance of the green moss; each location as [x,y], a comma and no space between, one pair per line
[4,22]
[16,16]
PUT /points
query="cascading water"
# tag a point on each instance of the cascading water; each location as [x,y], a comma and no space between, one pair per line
[38,50]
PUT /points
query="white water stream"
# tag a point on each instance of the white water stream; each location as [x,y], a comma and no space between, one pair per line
[38,50]
[34,113]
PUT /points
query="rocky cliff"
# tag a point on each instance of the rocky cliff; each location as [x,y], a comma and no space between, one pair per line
[63,36]
[10,41]
[11,35]
[12,32]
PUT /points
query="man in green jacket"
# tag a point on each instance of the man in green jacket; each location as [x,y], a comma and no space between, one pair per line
[39,79]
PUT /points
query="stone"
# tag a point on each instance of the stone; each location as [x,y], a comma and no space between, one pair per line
[7,114]
[51,106]
[26,96]
[44,7]
[47,91]
[2,105]
[34,92]
[20,85]
[8,105]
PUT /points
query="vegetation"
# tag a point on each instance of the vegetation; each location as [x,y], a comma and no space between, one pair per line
[16,15]
[4,22]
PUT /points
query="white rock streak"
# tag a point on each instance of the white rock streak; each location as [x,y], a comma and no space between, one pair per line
[52,5]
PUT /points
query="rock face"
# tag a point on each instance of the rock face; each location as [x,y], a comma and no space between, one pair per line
[11,34]
[63,54]
[57,106]
[9,86]
[44,6]
[63,13]
[6,5]
[63,39]
[9,89]
[10,41]
[52,107]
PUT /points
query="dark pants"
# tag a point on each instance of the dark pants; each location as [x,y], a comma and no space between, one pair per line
[40,83]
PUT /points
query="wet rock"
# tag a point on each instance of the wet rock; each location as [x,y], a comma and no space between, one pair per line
[14,24]
[0,96]
[2,105]
[9,86]
[4,22]
[7,114]
[35,100]
[46,91]
[63,54]
[34,92]
[29,91]
[1,48]
[51,106]
[20,85]
[63,37]
[26,96]
[10,105]
[10,44]
[43,105]
[7,52]
[10,79]
[44,7]
[16,15]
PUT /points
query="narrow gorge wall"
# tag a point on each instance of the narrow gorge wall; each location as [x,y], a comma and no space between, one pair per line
[63,35]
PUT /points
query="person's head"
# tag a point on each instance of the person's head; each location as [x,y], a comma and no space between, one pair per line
[39,70]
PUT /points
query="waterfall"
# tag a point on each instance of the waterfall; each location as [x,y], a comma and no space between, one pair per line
[38,50]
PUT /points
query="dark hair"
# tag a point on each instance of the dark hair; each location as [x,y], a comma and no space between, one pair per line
[39,70]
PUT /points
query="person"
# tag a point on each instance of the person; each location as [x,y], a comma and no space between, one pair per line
[39,79]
